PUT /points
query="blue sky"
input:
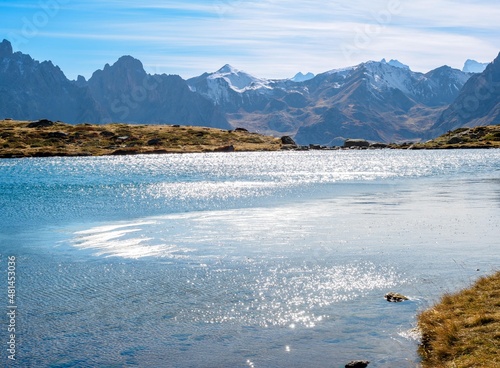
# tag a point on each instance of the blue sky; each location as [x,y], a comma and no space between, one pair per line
[267,38]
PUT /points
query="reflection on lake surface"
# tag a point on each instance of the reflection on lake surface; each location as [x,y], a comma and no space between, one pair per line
[242,260]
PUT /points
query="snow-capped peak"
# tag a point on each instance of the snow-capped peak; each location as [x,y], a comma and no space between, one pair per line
[472,66]
[300,77]
[395,63]
[238,80]
[227,69]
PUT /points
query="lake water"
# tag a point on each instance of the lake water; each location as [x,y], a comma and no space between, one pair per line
[240,260]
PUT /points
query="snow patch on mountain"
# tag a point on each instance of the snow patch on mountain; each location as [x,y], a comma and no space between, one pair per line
[342,71]
[383,76]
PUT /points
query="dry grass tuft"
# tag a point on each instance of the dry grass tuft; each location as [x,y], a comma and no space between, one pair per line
[463,329]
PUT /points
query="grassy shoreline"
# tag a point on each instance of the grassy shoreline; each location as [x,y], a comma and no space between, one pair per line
[463,329]
[463,138]
[23,139]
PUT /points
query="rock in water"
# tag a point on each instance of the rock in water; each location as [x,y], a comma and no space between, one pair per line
[395,297]
[357,364]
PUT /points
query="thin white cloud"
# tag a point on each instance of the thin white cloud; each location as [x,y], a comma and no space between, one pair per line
[276,38]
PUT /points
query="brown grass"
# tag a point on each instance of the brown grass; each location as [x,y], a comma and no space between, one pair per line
[463,329]
[17,140]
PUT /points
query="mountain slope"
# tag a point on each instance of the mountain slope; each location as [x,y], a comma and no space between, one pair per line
[127,93]
[477,104]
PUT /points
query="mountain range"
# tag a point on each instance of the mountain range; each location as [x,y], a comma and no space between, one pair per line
[379,101]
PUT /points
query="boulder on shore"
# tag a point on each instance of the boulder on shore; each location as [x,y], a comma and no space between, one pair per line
[288,140]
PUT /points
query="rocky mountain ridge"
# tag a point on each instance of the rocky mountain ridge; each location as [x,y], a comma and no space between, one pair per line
[379,101]
[382,101]
[122,92]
